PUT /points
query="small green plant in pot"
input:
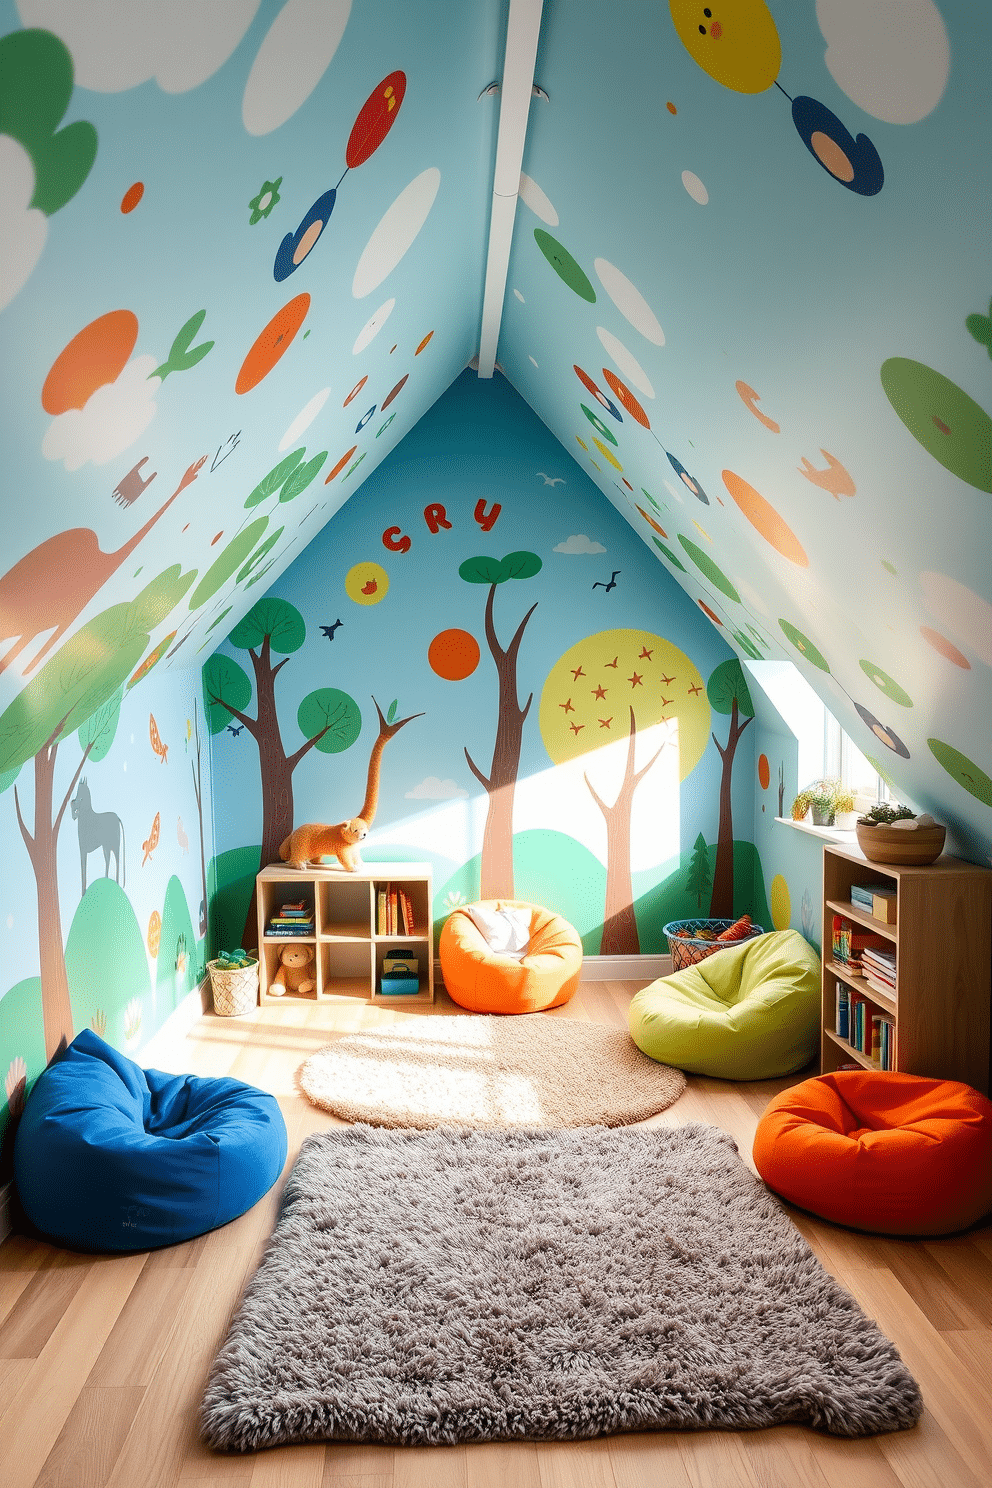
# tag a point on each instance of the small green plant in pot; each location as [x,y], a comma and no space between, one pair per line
[824,798]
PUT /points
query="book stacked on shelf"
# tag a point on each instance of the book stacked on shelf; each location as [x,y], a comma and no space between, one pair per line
[875,899]
[393,911]
[849,942]
[879,969]
[294,918]
[869,1032]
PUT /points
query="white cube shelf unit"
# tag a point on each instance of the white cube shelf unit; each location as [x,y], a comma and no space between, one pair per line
[348,950]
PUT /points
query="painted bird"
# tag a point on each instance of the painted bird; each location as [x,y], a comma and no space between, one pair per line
[162,750]
[602,584]
[551,480]
[834,479]
[151,842]
[328,630]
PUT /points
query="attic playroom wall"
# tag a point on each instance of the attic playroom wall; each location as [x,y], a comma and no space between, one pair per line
[134,942]
[481,505]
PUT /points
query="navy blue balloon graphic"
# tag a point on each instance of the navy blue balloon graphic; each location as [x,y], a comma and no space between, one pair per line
[853,162]
[687,479]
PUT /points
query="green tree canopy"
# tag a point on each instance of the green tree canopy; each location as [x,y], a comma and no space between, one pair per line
[727,682]
[486,570]
[275,618]
[334,710]
[85,671]
[100,728]
[224,681]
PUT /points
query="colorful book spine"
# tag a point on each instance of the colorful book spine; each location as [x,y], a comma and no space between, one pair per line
[876,1038]
[842,1013]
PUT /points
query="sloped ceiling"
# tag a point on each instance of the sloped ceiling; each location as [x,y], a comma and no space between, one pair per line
[749,291]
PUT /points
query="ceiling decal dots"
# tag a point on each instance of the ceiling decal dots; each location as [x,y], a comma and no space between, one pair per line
[765,519]
[629,301]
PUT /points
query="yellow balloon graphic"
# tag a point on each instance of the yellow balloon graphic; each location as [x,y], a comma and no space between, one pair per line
[781,904]
[735,41]
[366,583]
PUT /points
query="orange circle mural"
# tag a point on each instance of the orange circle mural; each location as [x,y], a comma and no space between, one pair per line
[652,523]
[272,344]
[712,613]
[453,655]
[764,771]
[422,344]
[355,390]
[945,647]
[132,197]
[765,519]
[626,398]
[96,356]
[340,465]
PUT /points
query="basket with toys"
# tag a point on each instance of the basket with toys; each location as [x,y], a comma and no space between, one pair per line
[234,983]
[690,941]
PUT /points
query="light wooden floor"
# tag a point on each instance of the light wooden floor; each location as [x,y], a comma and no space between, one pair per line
[103,1360]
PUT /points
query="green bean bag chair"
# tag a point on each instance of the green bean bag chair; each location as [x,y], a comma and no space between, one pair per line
[749,1012]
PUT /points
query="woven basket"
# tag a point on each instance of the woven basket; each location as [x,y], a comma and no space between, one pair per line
[235,992]
[687,949]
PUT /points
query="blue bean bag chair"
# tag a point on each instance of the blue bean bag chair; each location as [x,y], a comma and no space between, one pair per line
[109,1156]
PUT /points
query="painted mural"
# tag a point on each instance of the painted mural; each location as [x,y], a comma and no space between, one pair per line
[242,256]
[107,852]
[572,736]
[771,352]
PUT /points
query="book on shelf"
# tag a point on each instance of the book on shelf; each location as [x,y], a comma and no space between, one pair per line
[380,912]
[288,932]
[882,960]
[863,895]
[842,1010]
[392,922]
[849,942]
[406,913]
[876,1038]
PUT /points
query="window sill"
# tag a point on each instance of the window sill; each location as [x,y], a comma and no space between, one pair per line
[825,834]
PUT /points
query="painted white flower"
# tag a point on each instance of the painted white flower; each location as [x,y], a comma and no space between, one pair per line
[16,1084]
[452,899]
[132,1020]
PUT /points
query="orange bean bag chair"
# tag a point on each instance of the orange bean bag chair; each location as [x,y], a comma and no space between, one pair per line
[486,981]
[885,1152]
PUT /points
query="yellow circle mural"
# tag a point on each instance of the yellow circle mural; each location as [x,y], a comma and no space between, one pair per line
[781,903]
[591,689]
[735,41]
[366,583]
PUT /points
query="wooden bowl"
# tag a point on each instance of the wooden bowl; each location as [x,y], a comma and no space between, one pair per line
[907,848]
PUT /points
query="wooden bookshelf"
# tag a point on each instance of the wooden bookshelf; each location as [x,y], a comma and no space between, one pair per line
[348,949]
[942,938]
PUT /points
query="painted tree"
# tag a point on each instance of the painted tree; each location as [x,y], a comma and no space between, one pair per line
[604,691]
[329,720]
[198,793]
[497,839]
[728,693]
[699,878]
[78,689]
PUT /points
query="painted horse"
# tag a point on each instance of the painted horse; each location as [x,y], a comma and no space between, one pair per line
[98,830]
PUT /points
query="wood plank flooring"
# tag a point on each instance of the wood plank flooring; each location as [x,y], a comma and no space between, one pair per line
[103,1359]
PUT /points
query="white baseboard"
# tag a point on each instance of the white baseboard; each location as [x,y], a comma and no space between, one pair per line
[625,968]
[609,969]
[6,1194]
[177,1024]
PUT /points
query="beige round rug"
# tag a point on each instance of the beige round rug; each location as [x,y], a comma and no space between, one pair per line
[487,1071]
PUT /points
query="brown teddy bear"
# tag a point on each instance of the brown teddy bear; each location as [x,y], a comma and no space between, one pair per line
[293,974]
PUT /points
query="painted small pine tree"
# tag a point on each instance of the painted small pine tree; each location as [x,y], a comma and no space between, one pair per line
[699,877]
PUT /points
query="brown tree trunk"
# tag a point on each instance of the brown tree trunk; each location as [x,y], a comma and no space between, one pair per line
[620,936]
[496,872]
[722,898]
[43,852]
[203,924]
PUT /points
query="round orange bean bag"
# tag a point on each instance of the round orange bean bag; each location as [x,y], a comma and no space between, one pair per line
[487,982]
[885,1152]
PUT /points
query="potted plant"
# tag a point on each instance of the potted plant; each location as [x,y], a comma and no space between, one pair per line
[825,798]
[892,833]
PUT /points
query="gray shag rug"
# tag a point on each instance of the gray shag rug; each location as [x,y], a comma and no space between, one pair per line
[489,1072]
[459,1285]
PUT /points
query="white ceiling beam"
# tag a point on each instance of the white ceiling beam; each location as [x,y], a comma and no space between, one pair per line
[523,30]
